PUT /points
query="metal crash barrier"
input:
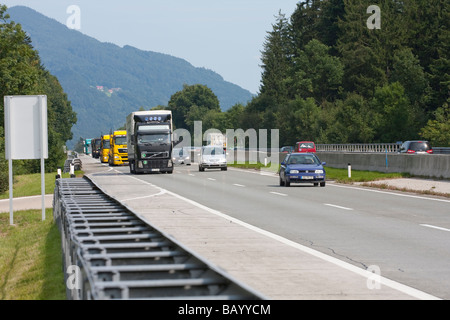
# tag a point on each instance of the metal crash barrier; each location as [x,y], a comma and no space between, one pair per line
[116,255]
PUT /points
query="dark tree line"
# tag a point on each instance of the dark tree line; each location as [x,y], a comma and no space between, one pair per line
[21,73]
[327,77]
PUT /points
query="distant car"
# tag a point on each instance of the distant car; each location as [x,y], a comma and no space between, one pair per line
[212,157]
[288,149]
[302,168]
[416,147]
[305,146]
[181,156]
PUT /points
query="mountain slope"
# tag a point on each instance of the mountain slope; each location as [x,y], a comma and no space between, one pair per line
[88,69]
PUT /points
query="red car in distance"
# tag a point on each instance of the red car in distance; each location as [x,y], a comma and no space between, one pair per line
[305,146]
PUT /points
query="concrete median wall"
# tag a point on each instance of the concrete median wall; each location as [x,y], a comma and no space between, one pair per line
[432,166]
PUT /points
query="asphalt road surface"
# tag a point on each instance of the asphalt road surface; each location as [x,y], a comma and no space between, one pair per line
[406,236]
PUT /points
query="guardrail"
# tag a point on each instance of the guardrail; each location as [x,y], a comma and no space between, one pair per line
[360,147]
[439,150]
[117,256]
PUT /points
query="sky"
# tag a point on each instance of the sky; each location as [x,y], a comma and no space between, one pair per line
[224,36]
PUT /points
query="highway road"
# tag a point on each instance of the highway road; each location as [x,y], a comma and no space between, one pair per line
[405,237]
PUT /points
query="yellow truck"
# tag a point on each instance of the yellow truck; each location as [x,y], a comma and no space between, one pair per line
[118,152]
[104,148]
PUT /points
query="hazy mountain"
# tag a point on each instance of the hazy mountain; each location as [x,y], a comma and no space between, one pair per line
[106,82]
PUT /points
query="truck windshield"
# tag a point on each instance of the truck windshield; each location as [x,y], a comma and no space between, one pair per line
[106,144]
[153,138]
[120,140]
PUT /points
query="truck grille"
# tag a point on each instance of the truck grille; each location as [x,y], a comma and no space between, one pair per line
[155,155]
[123,150]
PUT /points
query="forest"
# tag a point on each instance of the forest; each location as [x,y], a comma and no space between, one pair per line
[329,77]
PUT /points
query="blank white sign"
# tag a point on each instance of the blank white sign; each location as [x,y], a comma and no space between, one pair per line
[26,133]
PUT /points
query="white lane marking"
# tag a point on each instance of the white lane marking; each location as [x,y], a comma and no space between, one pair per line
[391,193]
[192,175]
[279,194]
[339,207]
[434,227]
[211,179]
[144,197]
[239,185]
[365,273]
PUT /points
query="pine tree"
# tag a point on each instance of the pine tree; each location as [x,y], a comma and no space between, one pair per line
[276,60]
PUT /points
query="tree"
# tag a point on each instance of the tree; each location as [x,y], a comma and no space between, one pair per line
[397,118]
[317,74]
[182,105]
[21,73]
[410,74]
[437,130]
[276,60]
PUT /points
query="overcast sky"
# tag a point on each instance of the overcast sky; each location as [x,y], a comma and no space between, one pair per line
[224,36]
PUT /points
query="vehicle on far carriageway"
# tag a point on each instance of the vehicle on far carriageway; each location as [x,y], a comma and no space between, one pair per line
[302,168]
[416,147]
[212,157]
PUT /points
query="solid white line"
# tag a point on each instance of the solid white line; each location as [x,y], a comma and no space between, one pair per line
[144,197]
[391,193]
[279,194]
[387,282]
[339,207]
[239,185]
[434,227]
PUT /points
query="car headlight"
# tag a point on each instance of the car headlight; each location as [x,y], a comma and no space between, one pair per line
[319,171]
[294,171]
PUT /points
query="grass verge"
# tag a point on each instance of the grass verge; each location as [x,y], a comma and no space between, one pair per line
[30,258]
[338,175]
[30,184]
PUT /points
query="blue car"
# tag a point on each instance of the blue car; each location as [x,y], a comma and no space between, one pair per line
[302,168]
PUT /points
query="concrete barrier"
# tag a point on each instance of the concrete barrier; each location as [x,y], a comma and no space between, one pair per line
[432,166]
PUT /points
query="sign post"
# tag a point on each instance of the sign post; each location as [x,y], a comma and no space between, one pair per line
[26,136]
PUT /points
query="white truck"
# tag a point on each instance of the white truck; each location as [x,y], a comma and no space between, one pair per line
[216,140]
[150,141]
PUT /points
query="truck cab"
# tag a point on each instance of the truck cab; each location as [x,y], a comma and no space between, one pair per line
[118,153]
[104,148]
[150,141]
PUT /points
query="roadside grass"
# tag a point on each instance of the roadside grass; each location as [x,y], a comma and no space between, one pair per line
[341,175]
[335,174]
[30,258]
[30,184]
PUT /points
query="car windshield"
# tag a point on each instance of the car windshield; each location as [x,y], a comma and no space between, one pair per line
[120,140]
[153,138]
[306,145]
[303,159]
[419,146]
[212,151]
